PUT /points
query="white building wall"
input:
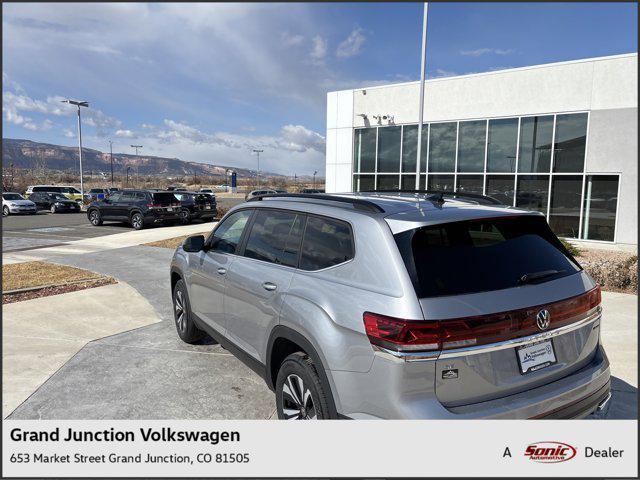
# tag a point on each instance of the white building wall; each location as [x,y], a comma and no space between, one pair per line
[339,141]
[607,87]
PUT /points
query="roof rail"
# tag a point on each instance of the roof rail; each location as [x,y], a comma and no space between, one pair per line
[481,199]
[357,203]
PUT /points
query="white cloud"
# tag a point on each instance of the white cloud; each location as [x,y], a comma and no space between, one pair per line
[352,45]
[319,48]
[291,40]
[441,72]
[13,104]
[69,133]
[484,51]
[125,134]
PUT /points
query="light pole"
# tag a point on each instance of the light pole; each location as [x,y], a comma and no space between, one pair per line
[111,158]
[315,172]
[258,152]
[79,104]
[423,65]
[137,166]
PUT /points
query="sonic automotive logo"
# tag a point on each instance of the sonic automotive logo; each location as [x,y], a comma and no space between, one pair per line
[550,452]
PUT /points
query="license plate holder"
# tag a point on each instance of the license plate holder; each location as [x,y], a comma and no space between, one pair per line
[536,356]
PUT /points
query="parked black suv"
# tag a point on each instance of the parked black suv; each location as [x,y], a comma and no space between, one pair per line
[55,202]
[137,207]
[196,206]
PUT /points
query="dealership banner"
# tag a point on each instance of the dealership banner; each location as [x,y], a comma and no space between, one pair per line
[244,448]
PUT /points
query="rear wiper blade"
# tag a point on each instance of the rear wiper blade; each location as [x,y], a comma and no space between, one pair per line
[532,277]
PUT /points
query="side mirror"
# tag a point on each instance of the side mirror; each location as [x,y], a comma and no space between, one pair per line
[194,244]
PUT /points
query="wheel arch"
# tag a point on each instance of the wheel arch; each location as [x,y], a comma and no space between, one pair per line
[282,342]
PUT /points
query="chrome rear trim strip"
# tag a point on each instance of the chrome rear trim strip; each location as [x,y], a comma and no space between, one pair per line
[517,342]
[491,347]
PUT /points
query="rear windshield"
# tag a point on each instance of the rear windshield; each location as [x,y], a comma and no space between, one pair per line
[164,198]
[483,255]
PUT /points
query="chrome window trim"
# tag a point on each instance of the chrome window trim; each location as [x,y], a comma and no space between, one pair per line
[491,347]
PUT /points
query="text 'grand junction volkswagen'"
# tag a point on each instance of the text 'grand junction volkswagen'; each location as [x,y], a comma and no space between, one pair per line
[397,306]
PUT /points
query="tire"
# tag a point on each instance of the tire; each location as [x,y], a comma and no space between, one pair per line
[186,328]
[53,209]
[5,211]
[299,391]
[137,221]
[185,217]
[95,218]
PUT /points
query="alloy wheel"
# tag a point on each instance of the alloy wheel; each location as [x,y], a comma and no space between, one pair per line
[53,209]
[136,221]
[180,311]
[297,401]
[5,211]
[95,218]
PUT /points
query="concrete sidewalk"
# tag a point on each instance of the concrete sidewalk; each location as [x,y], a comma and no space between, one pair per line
[41,335]
[108,242]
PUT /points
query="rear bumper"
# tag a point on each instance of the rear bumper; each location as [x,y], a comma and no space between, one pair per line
[389,391]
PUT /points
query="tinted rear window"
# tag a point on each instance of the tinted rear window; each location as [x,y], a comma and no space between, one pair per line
[275,237]
[327,242]
[164,198]
[482,255]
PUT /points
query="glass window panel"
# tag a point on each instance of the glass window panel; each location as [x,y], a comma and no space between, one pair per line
[409,147]
[533,192]
[570,142]
[389,149]
[275,237]
[471,141]
[363,183]
[408,182]
[469,184]
[364,153]
[500,187]
[564,213]
[388,182]
[442,147]
[536,135]
[440,182]
[423,182]
[327,242]
[503,142]
[600,202]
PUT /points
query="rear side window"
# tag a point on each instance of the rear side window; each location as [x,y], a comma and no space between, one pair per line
[228,234]
[275,237]
[327,242]
[459,258]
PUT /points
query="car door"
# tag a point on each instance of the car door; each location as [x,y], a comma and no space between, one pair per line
[108,208]
[122,207]
[209,268]
[258,280]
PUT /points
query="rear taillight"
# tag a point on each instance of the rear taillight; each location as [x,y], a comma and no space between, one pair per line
[446,334]
[402,335]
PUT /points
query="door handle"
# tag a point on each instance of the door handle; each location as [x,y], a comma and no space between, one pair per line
[222,271]
[269,286]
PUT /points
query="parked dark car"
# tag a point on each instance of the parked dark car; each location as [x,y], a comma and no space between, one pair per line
[312,190]
[113,189]
[196,206]
[54,202]
[139,208]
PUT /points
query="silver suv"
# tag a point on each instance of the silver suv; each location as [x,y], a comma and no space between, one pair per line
[397,305]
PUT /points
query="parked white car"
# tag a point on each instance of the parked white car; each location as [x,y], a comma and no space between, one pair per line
[13,203]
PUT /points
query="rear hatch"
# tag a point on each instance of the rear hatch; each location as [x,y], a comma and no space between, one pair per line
[165,204]
[513,308]
[205,202]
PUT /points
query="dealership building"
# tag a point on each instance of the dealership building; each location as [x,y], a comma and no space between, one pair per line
[559,138]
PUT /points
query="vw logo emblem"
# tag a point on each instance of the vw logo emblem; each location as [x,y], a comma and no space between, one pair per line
[543,319]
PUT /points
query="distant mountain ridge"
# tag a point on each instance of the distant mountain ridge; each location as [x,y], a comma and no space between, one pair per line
[29,154]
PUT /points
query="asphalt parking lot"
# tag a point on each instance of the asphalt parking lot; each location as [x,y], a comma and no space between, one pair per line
[27,232]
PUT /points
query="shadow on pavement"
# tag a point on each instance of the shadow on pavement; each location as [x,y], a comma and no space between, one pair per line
[623,404]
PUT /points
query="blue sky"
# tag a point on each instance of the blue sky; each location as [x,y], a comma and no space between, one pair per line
[209,82]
